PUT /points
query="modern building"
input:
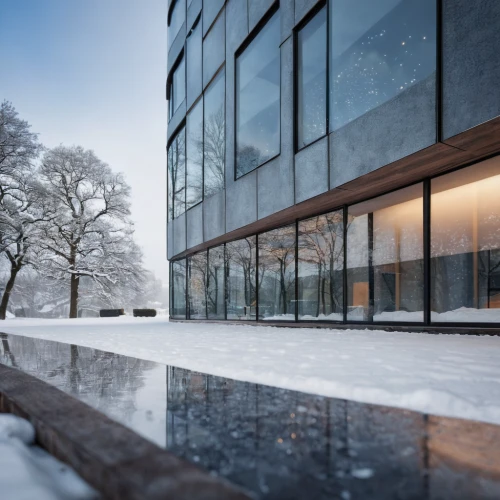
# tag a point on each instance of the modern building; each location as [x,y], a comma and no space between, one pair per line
[334,162]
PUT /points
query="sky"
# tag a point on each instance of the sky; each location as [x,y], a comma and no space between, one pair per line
[92,73]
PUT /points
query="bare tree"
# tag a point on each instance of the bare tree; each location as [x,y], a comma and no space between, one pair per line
[91,232]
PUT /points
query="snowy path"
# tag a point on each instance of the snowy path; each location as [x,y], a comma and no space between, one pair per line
[449,375]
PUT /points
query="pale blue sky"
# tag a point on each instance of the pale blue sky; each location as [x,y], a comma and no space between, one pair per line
[92,72]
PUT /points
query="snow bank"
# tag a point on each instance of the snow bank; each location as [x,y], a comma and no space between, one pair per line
[27,472]
[451,375]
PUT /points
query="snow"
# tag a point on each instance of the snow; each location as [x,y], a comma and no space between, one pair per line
[27,472]
[450,375]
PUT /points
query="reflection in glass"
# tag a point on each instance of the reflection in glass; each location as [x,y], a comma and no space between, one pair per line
[197,286]
[241,289]
[378,50]
[385,278]
[177,176]
[193,64]
[177,88]
[321,263]
[465,245]
[176,20]
[215,283]
[258,99]
[311,93]
[194,156]
[276,274]
[214,138]
[178,289]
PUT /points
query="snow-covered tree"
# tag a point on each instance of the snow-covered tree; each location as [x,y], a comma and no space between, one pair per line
[91,235]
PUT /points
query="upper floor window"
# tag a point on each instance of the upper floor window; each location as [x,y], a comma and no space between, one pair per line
[194,63]
[194,155]
[378,50]
[258,99]
[214,136]
[311,80]
[177,88]
[177,176]
[177,19]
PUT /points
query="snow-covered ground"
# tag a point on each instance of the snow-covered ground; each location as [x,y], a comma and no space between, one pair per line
[27,472]
[451,375]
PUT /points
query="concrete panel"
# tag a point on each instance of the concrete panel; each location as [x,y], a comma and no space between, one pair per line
[398,128]
[471,64]
[176,120]
[194,226]
[179,234]
[241,202]
[193,10]
[170,240]
[311,171]
[210,10]
[256,10]
[287,10]
[176,48]
[302,7]
[214,46]
[214,215]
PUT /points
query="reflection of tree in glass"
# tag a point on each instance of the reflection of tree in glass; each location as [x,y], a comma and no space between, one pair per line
[249,158]
[214,149]
[215,282]
[176,178]
[198,286]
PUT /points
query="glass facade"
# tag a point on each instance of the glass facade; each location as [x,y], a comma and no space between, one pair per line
[197,286]
[215,283]
[320,267]
[194,63]
[465,245]
[177,88]
[178,289]
[194,155]
[176,158]
[378,50]
[311,80]
[241,258]
[214,136]
[177,19]
[258,99]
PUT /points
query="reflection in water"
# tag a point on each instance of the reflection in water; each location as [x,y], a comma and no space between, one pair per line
[279,444]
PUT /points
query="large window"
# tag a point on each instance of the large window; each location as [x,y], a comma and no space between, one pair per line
[177,19]
[378,50]
[214,136]
[465,245]
[215,285]
[321,266]
[311,80]
[178,292]
[385,267]
[276,274]
[258,99]
[194,156]
[177,88]
[241,271]
[176,159]
[197,286]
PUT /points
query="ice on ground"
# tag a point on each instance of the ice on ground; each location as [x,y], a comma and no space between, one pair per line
[27,472]
[450,375]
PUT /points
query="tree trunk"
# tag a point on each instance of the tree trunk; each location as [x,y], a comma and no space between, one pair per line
[73,307]
[8,289]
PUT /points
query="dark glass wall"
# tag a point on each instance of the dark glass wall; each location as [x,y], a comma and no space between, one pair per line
[214,136]
[258,99]
[177,18]
[178,292]
[378,50]
[194,155]
[465,245]
[311,80]
[215,284]
[176,159]
[241,273]
[320,267]
[276,274]
[197,286]
[193,64]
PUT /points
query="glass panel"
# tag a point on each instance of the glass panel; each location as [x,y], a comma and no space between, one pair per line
[214,138]
[197,286]
[176,20]
[385,269]
[215,295]
[258,99]
[377,51]
[193,64]
[321,265]
[178,290]
[465,245]
[194,156]
[177,176]
[241,289]
[276,274]
[178,88]
[312,80]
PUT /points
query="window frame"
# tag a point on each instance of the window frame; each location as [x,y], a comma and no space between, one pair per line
[171,87]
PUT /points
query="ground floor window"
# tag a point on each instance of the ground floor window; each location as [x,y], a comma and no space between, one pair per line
[178,289]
